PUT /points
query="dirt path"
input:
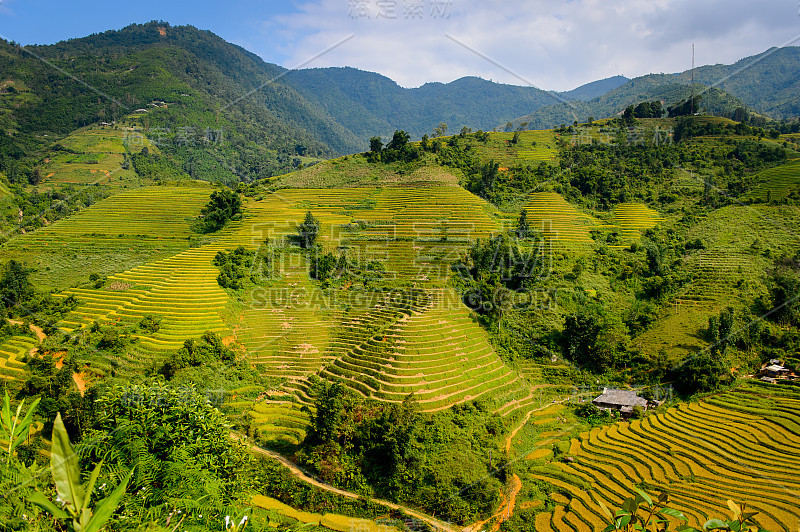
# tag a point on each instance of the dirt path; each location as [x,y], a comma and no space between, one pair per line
[79,382]
[519,428]
[504,511]
[528,417]
[36,330]
[299,473]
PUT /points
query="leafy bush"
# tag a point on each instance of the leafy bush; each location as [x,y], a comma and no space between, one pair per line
[438,461]
[234,267]
[223,206]
[197,353]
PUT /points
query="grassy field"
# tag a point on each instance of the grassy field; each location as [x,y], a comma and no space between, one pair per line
[777,183]
[532,147]
[123,231]
[743,445]
[356,171]
[94,155]
[4,191]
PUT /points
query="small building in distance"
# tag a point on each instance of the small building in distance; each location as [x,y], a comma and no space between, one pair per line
[776,371]
[621,400]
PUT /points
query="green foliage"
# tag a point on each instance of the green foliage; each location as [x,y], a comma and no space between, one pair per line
[15,430]
[150,323]
[76,512]
[593,415]
[234,267]
[157,167]
[785,289]
[438,461]
[701,373]
[15,285]
[181,451]
[523,229]
[308,231]
[224,205]
[641,512]
[595,339]
[207,350]
[53,386]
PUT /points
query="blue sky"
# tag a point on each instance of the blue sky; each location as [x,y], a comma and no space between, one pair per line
[551,45]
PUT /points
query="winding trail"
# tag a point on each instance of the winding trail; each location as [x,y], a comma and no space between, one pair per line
[302,475]
[36,330]
[528,417]
[504,511]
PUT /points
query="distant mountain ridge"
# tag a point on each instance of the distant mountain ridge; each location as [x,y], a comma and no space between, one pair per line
[274,116]
[768,83]
[595,88]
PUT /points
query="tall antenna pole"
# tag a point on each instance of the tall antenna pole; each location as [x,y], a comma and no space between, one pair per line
[692,79]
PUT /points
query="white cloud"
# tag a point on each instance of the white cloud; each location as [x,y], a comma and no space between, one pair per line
[553,45]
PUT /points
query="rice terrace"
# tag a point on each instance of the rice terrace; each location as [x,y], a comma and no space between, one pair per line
[323,308]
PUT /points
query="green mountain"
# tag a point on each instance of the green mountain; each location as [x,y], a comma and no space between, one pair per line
[767,83]
[222,114]
[370,104]
[595,89]
[204,83]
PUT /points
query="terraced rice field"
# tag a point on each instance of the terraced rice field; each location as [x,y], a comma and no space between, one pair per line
[532,148]
[122,231]
[295,331]
[430,348]
[11,352]
[742,445]
[561,223]
[634,218]
[181,291]
[99,154]
[435,351]
[565,226]
[777,183]
[714,275]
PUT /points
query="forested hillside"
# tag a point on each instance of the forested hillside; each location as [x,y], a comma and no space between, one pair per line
[768,85]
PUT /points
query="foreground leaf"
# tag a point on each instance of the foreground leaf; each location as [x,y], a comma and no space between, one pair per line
[47,505]
[64,463]
[106,507]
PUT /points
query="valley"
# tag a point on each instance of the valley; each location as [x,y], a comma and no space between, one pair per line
[417,336]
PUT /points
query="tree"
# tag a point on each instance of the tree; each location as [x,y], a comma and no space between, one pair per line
[36,176]
[700,373]
[523,228]
[594,339]
[375,145]
[308,231]
[785,291]
[15,285]
[399,140]
[224,205]
[441,130]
